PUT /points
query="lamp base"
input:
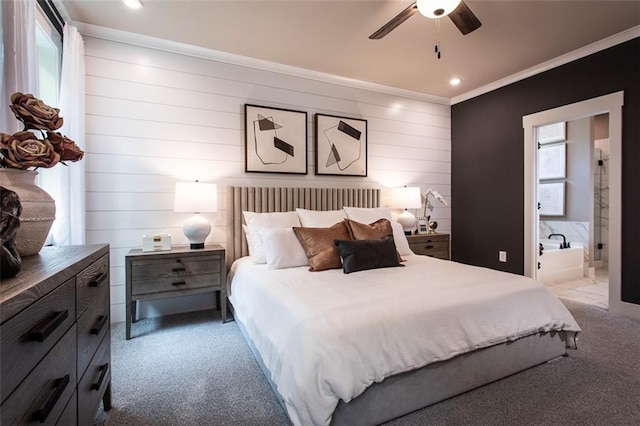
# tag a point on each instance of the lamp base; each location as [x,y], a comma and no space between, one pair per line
[408,221]
[196,229]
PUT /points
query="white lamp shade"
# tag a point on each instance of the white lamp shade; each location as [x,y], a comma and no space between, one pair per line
[196,197]
[407,197]
[437,8]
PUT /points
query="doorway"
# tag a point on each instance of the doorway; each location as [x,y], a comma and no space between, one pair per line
[572,220]
[611,104]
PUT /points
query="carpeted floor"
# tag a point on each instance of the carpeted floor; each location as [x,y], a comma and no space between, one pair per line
[190,369]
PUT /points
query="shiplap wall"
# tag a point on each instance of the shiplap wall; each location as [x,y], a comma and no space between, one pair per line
[154,118]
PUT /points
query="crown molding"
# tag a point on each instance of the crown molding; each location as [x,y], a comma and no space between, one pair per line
[624,36]
[141,40]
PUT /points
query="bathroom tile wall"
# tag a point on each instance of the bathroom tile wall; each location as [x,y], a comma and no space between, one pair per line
[601,202]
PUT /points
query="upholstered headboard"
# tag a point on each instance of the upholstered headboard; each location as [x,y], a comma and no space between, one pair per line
[260,199]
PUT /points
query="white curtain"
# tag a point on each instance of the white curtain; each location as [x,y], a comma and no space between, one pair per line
[70,224]
[19,56]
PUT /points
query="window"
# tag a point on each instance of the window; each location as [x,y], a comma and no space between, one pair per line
[49,43]
[49,56]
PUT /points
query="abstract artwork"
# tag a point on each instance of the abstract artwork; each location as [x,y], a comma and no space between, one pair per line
[341,146]
[555,132]
[552,161]
[275,140]
[551,199]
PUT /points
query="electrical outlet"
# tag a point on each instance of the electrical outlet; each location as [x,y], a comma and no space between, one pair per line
[502,256]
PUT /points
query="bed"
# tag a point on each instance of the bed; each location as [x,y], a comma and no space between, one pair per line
[364,348]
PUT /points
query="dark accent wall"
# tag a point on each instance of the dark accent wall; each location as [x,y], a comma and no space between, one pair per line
[487,155]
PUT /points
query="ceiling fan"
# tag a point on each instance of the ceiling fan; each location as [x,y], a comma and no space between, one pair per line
[457,10]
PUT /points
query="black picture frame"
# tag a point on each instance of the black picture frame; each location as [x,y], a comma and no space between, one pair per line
[275,140]
[340,146]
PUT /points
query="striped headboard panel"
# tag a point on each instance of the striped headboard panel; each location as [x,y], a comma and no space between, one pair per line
[261,200]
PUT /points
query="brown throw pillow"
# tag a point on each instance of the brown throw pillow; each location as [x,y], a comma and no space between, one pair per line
[373,231]
[319,247]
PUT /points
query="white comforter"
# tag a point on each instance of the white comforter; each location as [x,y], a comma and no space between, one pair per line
[326,336]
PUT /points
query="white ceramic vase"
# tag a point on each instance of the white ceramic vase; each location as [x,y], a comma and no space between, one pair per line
[38,209]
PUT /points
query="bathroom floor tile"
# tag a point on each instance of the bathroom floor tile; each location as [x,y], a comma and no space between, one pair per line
[589,290]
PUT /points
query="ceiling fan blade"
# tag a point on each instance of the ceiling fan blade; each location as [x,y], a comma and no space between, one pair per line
[392,24]
[464,19]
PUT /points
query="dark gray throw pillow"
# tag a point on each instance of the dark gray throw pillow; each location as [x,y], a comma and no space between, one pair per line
[360,255]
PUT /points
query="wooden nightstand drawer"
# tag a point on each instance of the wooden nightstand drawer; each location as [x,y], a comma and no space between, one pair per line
[175,267]
[433,245]
[27,337]
[178,283]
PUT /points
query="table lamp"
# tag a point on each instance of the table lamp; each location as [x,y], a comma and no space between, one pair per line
[407,197]
[196,197]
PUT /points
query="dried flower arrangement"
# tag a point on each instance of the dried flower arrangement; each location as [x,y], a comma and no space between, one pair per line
[24,149]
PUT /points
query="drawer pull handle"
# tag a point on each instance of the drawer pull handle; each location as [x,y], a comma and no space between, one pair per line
[44,328]
[177,283]
[179,269]
[59,387]
[102,319]
[103,372]
[428,247]
[98,280]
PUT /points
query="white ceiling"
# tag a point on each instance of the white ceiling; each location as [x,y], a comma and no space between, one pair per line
[332,36]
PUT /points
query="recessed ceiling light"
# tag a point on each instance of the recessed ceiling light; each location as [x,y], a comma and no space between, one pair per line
[454,81]
[133,4]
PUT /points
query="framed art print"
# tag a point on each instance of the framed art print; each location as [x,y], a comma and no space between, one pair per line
[556,132]
[551,199]
[552,161]
[341,146]
[275,140]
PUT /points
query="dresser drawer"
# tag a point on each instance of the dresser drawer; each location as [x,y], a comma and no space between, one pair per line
[93,324]
[27,337]
[70,414]
[175,267]
[93,384]
[43,396]
[89,282]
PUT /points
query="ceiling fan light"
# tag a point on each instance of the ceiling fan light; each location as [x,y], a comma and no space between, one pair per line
[133,4]
[437,8]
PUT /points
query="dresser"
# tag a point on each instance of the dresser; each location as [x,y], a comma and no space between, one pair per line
[181,271]
[433,245]
[55,344]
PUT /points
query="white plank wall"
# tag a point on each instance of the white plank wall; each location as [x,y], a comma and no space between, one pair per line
[154,118]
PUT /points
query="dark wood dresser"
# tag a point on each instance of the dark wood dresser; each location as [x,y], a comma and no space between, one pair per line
[55,340]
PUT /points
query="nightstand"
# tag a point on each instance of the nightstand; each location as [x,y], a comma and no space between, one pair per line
[180,271]
[433,245]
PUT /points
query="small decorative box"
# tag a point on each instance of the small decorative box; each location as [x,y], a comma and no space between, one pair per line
[156,242]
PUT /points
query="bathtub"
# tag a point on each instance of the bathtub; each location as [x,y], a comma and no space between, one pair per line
[558,265]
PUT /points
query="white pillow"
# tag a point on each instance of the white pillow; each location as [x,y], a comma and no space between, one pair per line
[282,248]
[257,221]
[367,215]
[271,220]
[402,244]
[254,242]
[320,219]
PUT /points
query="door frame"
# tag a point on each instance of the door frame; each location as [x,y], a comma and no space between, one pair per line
[611,104]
